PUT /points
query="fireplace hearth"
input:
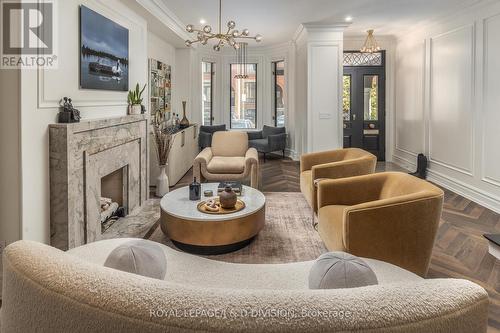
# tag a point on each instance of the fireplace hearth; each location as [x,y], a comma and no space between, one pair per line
[96,164]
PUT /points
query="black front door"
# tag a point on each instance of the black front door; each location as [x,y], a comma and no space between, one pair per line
[364,102]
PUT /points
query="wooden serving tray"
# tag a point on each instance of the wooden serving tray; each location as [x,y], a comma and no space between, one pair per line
[239,206]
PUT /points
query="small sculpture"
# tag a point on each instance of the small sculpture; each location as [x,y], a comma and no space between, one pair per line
[68,114]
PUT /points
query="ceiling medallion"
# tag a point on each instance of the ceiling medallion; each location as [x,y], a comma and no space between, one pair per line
[371,45]
[230,37]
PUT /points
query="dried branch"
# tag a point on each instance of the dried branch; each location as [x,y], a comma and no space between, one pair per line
[164,139]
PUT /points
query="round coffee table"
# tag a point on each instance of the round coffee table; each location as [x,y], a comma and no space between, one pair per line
[196,232]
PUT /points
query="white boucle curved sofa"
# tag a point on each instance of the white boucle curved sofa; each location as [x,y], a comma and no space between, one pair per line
[47,290]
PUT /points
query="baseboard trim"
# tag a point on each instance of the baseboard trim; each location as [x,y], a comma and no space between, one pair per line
[403,162]
[480,197]
[467,191]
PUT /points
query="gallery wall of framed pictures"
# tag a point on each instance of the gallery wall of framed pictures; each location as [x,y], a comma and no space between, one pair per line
[160,83]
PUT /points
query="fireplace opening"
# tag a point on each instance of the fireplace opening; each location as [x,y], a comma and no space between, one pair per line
[113,200]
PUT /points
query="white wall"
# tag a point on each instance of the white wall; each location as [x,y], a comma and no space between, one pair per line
[10,162]
[447,102]
[41,91]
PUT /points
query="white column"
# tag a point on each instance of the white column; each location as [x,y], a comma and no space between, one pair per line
[322,47]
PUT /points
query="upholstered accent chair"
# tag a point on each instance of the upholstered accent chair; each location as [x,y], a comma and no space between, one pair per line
[206,133]
[389,216]
[332,164]
[268,140]
[228,159]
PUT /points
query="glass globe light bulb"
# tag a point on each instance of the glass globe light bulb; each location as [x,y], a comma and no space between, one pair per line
[245,32]
[189,28]
[216,48]
[232,42]
[188,43]
[235,33]
[207,29]
[231,24]
[200,35]
[236,46]
[258,38]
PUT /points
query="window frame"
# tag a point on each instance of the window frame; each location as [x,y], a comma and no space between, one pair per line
[275,81]
[212,74]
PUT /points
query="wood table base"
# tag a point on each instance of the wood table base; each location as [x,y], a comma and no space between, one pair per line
[212,237]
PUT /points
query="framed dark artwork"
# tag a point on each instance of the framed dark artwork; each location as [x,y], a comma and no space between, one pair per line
[104,52]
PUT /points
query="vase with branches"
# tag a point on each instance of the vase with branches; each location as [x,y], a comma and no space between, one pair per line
[164,139]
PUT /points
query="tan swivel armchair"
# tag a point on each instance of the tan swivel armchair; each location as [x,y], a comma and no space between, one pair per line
[388,216]
[332,164]
[229,159]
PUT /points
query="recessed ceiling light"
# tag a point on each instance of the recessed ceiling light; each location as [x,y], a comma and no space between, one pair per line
[348,18]
[202,21]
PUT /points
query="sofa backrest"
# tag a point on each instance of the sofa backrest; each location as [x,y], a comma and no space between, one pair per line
[230,144]
[47,290]
[268,130]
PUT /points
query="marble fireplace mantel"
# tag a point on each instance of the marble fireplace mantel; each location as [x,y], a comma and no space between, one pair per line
[82,153]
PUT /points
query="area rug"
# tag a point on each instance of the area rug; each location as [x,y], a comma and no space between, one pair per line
[288,235]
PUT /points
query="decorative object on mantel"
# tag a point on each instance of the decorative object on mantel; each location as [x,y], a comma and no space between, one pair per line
[228,198]
[184,123]
[164,140]
[135,100]
[371,45]
[68,114]
[230,37]
[194,190]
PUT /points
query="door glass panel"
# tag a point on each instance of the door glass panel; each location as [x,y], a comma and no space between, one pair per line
[207,92]
[370,97]
[244,97]
[346,98]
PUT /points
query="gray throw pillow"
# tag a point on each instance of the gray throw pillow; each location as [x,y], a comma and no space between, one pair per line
[140,257]
[336,270]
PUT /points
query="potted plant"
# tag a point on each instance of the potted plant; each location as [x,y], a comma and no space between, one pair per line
[164,139]
[135,100]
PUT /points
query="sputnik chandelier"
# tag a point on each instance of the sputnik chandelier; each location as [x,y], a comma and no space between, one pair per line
[371,45]
[230,37]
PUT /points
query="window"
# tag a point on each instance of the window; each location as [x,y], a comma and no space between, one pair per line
[279,93]
[352,58]
[207,79]
[244,97]
[370,97]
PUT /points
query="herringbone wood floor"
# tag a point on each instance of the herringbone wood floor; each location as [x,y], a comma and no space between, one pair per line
[460,250]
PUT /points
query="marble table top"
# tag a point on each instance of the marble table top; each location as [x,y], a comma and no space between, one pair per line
[177,203]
